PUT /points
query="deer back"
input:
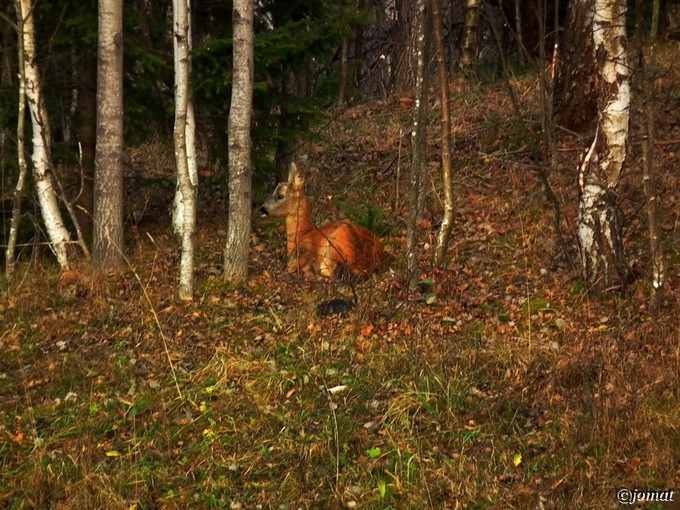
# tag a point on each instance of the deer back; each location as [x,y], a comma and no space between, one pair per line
[345,244]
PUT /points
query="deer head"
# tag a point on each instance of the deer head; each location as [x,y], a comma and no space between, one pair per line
[285,200]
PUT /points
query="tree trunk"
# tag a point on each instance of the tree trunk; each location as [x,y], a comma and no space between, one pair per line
[447,171]
[649,181]
[108,185]
[654,31]
[418,136]
[645,83]
[599,236]
[240,170]
[518,30]
[549,152]
[342,87]
[184,217]
[575,93]
[549,145]
[87,136]
[285,147]
[358,42]
[10,262]
[7,55]
[44,180]
[405,42]
[472,34]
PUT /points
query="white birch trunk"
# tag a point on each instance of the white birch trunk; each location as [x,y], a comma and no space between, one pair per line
[599,240]
[240,185]
[609,35]
[185,198]
[44,181]
[190,142]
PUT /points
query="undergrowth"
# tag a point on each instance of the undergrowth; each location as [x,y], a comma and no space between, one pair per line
[498,385]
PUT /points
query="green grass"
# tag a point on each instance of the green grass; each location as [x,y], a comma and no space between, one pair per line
[244,398]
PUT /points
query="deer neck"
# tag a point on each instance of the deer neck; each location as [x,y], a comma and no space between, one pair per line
[298,223]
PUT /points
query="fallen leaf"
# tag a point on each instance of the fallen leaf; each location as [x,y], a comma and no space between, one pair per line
[366,330]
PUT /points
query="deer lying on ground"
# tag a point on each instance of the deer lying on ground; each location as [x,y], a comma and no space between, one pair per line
[320,250]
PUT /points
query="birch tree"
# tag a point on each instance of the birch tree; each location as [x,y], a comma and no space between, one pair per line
[184,211]
[598,230]
[45,182]
[108,182]
[240,170]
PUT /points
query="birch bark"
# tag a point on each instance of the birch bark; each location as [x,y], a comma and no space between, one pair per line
[44,180]
[599,232]
[184,212]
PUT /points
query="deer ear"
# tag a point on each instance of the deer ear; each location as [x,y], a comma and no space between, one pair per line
[296,178]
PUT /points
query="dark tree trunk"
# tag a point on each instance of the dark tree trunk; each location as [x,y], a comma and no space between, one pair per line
[8,49]
[456,30]
[240,167]
[472,34]
[107,246]
[403,72]
[575,88]
[87,136]
[284,146]
[358,45]
[419,141]
[447,171]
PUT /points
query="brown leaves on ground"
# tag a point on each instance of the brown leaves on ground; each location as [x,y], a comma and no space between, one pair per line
[496,384]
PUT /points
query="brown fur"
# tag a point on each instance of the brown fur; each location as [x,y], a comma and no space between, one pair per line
[320,250]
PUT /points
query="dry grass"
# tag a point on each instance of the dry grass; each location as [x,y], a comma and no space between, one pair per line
[499,386]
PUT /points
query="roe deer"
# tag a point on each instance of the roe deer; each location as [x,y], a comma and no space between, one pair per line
[320,250]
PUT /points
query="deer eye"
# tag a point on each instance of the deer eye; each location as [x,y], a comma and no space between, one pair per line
[279,197]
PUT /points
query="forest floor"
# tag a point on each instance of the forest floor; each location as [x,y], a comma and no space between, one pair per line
[499,384]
